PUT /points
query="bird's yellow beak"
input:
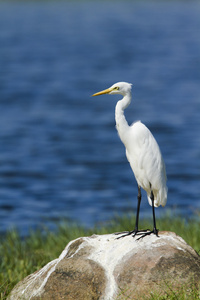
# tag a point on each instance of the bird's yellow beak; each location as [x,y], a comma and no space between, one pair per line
[107,91]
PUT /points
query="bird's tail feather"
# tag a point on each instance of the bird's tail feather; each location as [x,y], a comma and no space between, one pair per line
[160,197]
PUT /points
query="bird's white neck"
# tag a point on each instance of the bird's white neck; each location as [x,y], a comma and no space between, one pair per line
[121,123]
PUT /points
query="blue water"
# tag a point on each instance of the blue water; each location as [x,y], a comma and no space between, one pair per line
[60,155]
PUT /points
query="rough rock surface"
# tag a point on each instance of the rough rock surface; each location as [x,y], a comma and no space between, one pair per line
[100,266]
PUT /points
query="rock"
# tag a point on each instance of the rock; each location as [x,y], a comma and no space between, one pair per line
[100,266]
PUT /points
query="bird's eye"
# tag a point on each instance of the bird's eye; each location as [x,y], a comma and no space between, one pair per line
[116,88]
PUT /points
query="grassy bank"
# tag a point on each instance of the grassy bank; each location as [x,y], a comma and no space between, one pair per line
[19,258]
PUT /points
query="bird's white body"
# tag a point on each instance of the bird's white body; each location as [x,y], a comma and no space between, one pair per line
[144,156]
[142,150]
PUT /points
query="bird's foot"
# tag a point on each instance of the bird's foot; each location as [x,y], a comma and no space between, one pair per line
[133,233]
[154,231]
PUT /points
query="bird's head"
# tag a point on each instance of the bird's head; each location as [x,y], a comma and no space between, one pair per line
[122,88]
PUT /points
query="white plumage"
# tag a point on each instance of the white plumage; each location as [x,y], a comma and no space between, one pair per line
[143,154]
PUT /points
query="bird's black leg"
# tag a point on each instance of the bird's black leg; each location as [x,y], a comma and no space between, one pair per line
[155,230]
[138,210]
[135,231]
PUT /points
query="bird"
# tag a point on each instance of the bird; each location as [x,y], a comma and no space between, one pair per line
[143,155]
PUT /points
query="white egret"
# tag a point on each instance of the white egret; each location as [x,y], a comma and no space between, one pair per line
[143,154]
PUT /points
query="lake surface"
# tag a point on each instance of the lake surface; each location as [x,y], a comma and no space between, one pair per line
[60,155]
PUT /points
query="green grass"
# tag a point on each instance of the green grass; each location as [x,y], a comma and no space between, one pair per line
[19,258]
